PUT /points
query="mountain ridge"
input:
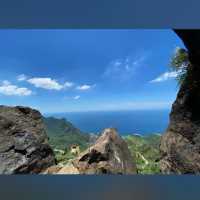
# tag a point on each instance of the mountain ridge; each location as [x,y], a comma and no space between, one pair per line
[62,134]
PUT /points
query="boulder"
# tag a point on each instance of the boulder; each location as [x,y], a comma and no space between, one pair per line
[109,155]
[59,169]
[24,144]
[68,169]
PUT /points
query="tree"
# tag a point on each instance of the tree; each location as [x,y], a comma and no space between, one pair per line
[179,63]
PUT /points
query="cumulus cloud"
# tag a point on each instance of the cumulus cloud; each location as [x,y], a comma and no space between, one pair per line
[124,69]
[166,76]
[45,83]
[48,83]
[85,87]
[6,88]
[77,97]
[21,77]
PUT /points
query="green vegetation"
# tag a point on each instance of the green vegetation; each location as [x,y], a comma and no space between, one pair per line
[63,142]
[145,150]
[62,134]
[64,158]
[61,126]
[179,63]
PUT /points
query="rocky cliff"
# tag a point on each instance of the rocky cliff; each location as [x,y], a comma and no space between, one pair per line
[180,145]
[23,141]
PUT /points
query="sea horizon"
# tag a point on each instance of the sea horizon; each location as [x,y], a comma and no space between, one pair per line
[142,122]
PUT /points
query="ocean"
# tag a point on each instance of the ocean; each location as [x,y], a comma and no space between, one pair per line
[126,122]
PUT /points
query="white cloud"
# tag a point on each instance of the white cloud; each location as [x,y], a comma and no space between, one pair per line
[5,82]
[77,97]
[125,68]
[45,83]
[85,87]
[68,84]
[6,88]
[21,77]
[166,76]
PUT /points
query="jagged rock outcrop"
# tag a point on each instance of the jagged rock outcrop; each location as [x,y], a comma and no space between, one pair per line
[23,141]
[180,145]
[109,155]
[92,138]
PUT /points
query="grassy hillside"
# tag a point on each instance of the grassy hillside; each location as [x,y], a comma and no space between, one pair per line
[62,134]
[145,150]
[59,126]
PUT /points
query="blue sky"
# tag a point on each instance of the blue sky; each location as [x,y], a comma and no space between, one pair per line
[84,70]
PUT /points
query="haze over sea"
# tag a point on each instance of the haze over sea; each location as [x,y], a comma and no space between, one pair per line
[127,122]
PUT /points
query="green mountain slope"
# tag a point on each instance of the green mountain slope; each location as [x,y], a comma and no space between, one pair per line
[62,134]
[145,150]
